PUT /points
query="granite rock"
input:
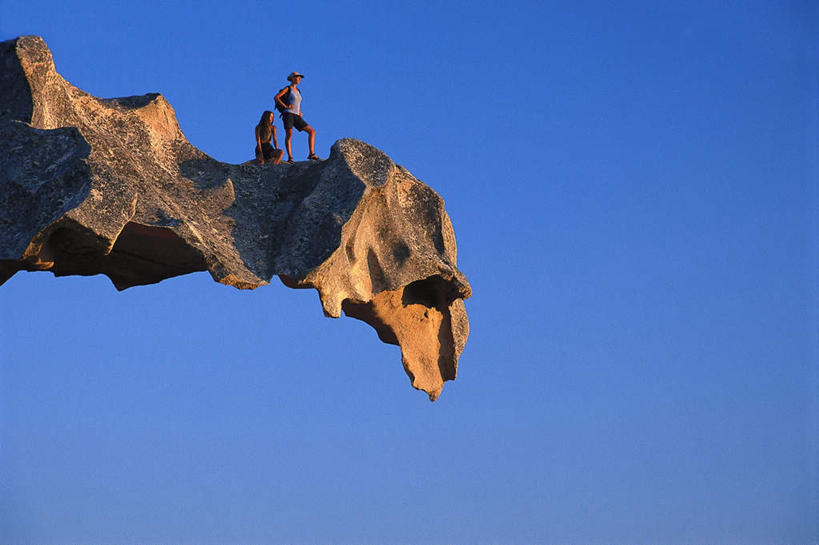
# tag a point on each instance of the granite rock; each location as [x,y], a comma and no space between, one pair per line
[112,186]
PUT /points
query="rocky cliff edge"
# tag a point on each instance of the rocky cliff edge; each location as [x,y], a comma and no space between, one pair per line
[112,186]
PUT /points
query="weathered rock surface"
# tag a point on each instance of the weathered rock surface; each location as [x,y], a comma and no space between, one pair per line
[112,186]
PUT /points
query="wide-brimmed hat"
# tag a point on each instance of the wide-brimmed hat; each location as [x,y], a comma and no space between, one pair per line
[293,75]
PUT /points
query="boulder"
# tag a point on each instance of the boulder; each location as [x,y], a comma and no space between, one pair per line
[112,186]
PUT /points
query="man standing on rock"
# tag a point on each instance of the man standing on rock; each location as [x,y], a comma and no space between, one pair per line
[288,102]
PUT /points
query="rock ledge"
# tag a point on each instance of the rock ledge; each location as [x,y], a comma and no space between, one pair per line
[112,186]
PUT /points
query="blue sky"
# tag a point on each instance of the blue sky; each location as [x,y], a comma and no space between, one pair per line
[633,188]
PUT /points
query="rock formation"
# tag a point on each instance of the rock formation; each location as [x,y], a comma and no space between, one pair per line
[112,186]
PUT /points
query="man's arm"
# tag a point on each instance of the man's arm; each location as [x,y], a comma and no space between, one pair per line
[278,98]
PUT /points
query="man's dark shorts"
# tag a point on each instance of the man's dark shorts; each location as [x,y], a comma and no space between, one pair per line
[292,120]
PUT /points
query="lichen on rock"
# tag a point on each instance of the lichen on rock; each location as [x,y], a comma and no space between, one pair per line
[112,186]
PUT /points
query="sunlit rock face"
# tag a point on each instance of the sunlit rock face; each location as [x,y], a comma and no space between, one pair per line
[112,186]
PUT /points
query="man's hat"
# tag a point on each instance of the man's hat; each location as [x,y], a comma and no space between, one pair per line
[293,75]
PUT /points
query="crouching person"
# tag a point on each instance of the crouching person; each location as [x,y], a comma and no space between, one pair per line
[265,153]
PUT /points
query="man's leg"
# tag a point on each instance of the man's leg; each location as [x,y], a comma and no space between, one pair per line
[288,134]
[311,138]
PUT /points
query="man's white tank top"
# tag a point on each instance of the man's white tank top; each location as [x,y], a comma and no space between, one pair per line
[295,102]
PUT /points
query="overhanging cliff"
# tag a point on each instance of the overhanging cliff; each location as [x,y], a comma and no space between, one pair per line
[112,186]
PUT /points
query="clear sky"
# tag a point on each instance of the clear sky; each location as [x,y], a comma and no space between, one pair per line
[633,187]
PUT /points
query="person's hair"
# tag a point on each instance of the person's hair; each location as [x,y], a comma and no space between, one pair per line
[264,117]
